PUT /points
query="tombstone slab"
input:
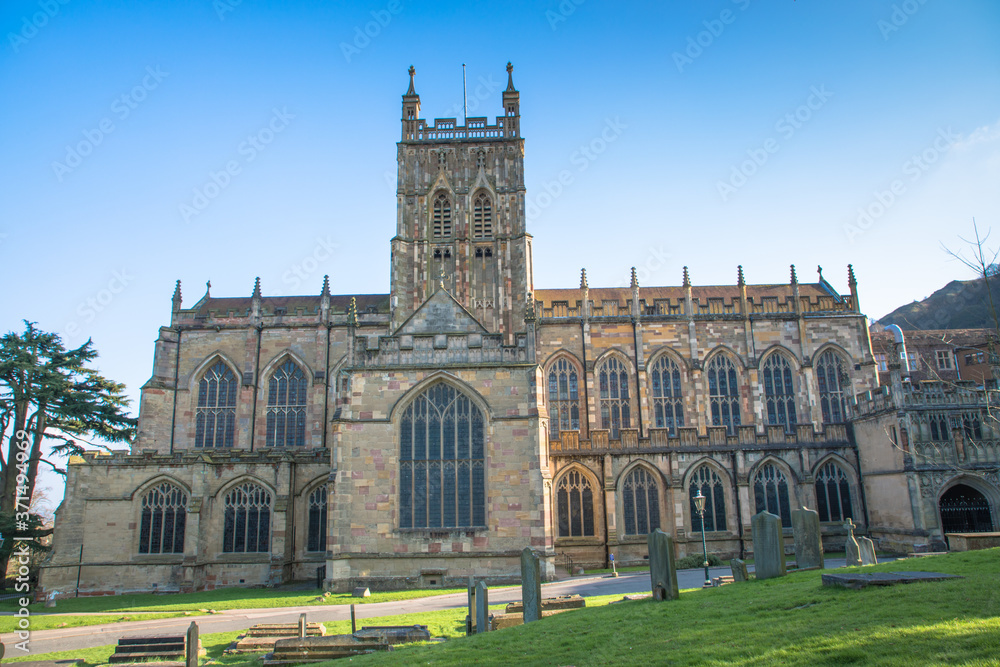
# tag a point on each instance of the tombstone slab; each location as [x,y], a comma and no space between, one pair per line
[361,592]
[531,586]
[808,539]
[470,621]
[867,548]
[482,606]
[768,546]
[662,566]
[739,569]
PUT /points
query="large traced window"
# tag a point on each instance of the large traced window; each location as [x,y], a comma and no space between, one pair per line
[441,216]
[442,473]
[770,493]
[247,522]
[833,494]
[286,407]
[779,391]
[939,427]
[164,512]
[215,421]
[640,502]
[316,538]
[482,217]
[831,375]
[614,396]
[668,411]
[564,401]
[575,505]
[706,480]
[972,426]
[724,392]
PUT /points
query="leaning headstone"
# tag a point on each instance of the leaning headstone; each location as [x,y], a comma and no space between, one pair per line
[191,646]
[662,569]
[482,606]
[531,586]
[851,545]
[302,625]
[808,539]
[768,546]
[867,548]
[739,570]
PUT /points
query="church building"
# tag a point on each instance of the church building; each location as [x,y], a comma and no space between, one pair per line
[414,438]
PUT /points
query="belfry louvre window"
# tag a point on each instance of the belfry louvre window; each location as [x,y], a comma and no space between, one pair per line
[770,493]
[640,502]
[164,513]
[215,421]
[286,407]
[247,522]
[442,439]
[564,402]
[441,218]
[707,481]
[575,505]
[668,411]
[316,539]
[833,494]
[724,393]
[779,392]
[482,217]
[614,396]
[831,377]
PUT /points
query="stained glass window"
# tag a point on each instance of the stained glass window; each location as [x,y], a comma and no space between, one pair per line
[247,523]
[575,505]
[706,480]
[770,492]
[724,393]
[831,376]
[164,513]
[564,403]
[614,396]
[640,502]
[215,418]
[668,409]
[779,391]
[286,406]
[833,494]
[317,519]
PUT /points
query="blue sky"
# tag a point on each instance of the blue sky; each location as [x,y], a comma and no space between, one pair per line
[705,134]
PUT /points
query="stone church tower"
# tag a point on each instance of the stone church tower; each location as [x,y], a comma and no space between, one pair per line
[460,215]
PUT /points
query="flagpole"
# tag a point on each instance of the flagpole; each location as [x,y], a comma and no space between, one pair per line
[465,99]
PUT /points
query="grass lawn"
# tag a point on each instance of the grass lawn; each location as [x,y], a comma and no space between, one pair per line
[225,598]
[48,622]
[787,621]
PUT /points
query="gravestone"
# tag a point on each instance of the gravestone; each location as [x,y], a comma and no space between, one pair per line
[531,586]
[808,540]
[362,592]
[867,548]
[470,624]
[662,569]
[739,570]
[768,546]
[482,607]
[302,625]
[851,546]
[191,646]
[354,622]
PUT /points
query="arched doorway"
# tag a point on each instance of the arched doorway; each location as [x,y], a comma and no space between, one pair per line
[965,510]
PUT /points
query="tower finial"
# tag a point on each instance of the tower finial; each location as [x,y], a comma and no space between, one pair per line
[739,276]
[635,281]
[687,278]
[510,78]
[819,270]
[256,288]
[411,90]
[177,296]
[326,286]
[208,289]
[352,313]
[851,280]
[795,279]
[583,279]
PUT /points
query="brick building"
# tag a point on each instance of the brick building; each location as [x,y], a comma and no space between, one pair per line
[420,436]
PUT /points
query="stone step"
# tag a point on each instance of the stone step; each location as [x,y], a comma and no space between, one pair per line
[154,648]
[395,634]
[327,648]
[562,602]
[117,658]
[170,639]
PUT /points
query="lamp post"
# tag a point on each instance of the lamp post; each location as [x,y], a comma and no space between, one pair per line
[699,504]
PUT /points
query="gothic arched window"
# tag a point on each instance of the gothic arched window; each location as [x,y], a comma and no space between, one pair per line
[779,391]
[564,402]
[441,219]
[286,406]
[668,410]
[164,513]
[640,502]
[614,396]
[833,494]
[940,430]
[316,539]
[575,504]
[442,461]
[831,376]
[706,480]
[215,419]
[247,523]
[724,393]
[482,217]
[770,493]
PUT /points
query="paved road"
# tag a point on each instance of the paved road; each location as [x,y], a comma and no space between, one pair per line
[65,639]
